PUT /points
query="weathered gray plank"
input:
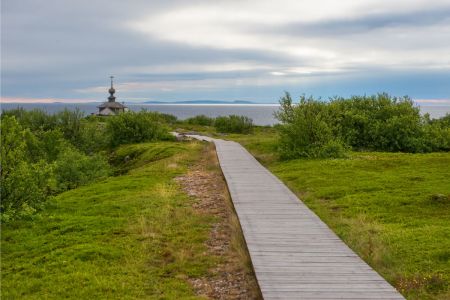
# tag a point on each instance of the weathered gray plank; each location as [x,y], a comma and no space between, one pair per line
[294,254]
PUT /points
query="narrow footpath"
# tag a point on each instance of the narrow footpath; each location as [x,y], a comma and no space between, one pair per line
[294,254]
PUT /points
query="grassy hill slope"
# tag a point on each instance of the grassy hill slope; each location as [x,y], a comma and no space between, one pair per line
[132,236]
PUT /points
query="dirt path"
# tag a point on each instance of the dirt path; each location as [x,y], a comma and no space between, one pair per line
[233,278]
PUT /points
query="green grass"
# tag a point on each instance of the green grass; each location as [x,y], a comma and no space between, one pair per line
[381,205]
[133,236]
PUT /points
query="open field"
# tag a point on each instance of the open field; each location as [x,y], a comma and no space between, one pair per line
[132,236]
[393,209]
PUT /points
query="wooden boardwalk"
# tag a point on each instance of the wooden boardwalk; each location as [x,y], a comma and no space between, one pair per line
[294,254]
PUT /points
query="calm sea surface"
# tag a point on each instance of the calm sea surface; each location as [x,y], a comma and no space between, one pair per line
[261,114]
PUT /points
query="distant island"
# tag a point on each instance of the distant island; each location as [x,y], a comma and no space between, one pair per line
[201,102]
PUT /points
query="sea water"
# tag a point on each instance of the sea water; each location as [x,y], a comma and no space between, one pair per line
[262,114]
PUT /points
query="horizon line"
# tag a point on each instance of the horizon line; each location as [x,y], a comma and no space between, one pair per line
[14,100]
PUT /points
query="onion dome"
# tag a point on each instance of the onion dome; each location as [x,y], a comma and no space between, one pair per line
[111,91]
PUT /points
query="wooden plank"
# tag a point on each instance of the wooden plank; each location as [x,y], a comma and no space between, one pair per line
[294,254]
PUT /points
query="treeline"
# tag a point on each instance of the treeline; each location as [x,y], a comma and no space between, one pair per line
[314,128]
[44,154]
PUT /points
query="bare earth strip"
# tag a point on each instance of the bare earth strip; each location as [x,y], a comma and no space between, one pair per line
[233,277]
[294,254]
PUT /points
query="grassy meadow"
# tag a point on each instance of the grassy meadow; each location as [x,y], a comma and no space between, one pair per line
[90,208]
[393,209]
[134,236]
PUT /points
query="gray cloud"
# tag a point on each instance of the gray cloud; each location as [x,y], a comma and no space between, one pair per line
[56,49]
[366,24]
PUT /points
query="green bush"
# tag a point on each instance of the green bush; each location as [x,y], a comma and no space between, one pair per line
[168,118]
[26,188]
[68,121]
[136,127]
[73,169]
[47,145]
[36,119]
[93,136]
[306,130]
[380,122]
[333,148]
[437,136]
[437,133]
[234,124]
[24,185]
[36,164]
[201,120]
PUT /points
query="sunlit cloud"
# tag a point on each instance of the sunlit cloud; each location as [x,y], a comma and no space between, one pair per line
[218,25]
[202,84]
[178,68]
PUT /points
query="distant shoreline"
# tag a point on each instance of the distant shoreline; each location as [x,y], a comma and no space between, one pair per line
[195,104]
[147,103]
[261,113]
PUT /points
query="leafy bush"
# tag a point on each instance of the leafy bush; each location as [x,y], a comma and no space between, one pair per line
[234,124]
[69,122]
[314,128]
[444,121]
[34,120]
[201,120]
[36,164]
[24,185]
[168,118]
[93,136]
[46,145]
[132,127]
[306,130]
[73,169]
[378,122]
[436,136]
[25,189]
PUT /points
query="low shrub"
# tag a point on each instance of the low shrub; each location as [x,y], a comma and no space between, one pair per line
[168,118]
[35,119]
[73,169]
[436,136]
[234,124]
[93,137]
[136,127]
[306,130]
[37,164]
[25,189]
[378,122]
[314,128]
[201,120]
[70,124]
[24,184]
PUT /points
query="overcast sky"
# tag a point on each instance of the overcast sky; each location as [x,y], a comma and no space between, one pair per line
[254,50]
